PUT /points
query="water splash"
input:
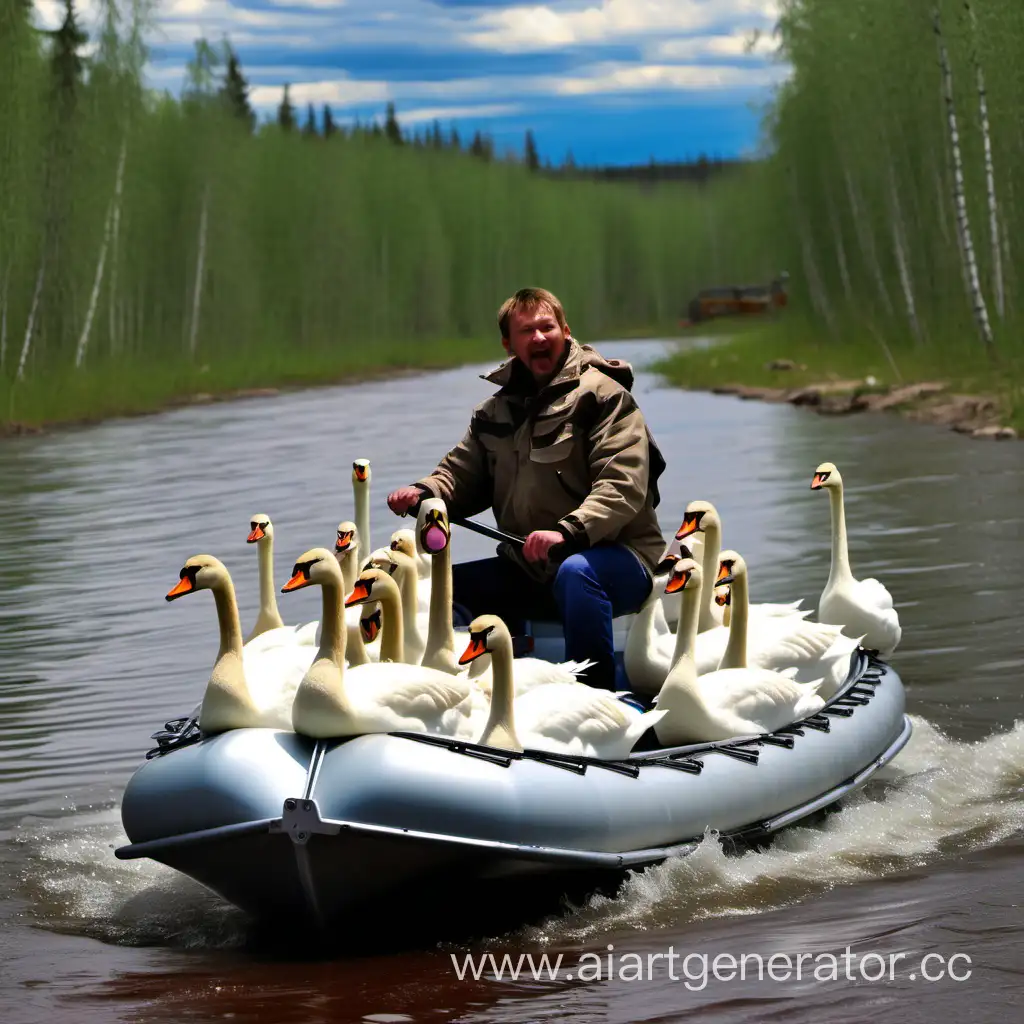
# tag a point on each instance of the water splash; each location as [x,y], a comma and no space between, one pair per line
[938,798]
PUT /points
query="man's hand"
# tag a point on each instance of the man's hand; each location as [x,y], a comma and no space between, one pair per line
[403,499]
[539,543]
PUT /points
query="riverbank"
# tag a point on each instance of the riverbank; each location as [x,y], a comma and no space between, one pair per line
[779,362]
[140,387]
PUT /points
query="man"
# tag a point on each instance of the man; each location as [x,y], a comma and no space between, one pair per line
[563,456]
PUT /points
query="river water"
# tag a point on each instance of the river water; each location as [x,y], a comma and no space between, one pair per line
[97,522]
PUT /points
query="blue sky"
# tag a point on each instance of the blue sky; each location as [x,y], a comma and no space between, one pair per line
[614,81]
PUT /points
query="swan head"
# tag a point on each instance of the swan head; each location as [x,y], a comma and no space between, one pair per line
[698,517]
[723,595]
[664,567]
[685,575]
[484,630]
[826,475]
[372,584]
[369,626]
[361,471]
[346,537]
[435,530]
[316,566]
[259,527]
[200,572]
[730,567]
[404,541]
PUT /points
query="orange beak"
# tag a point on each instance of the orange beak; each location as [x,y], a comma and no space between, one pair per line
[724,575]
[370,628]
[677,582]
[360,473]
[257,534]
[360,593]
[689,527]
[343,542]
[722,599]
[183,586]
[818,481]
[473,651]
[297,582]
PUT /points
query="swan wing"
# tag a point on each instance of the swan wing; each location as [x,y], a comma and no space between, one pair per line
[874,593]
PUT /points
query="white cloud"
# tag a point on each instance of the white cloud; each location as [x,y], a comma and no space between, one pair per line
[540,27]
[694,47]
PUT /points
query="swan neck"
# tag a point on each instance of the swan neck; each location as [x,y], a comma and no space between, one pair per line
[735,655]
[709,571]
[268,599]
[347,563]
[408,584]
[688,625]
[500,729]
[840,568]
[440,631]
[362,520]
[392,640]
[228,619]
[333,627]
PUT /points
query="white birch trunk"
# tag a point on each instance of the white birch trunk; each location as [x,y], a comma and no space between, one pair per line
[899,243]
[975,295]
[30,326]
[113,212]
[867,242]
[990,177]
[200,260]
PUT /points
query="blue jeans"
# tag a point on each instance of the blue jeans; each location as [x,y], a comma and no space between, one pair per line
[588,590]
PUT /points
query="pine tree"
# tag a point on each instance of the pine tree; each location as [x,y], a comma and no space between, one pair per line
[309,128]
[235,91]
[530,152]
[391,126]
[329,127]
[453,140]
[286,112]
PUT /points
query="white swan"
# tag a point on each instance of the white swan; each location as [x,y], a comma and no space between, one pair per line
[434,535]
[702,517]
[405,541]
[269,626]
[563,718]
[408,541]
[246,690]
[862,607]
[820,651]
[727,703]
[384,697]
[768,639]
[360,651]
[403,569]
[361,496]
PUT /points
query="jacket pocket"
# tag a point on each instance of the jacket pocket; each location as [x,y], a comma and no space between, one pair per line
[559,449]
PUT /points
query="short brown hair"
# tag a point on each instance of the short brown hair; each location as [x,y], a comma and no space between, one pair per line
[529,299]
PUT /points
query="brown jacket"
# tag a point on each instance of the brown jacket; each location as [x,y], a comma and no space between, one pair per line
[577,457]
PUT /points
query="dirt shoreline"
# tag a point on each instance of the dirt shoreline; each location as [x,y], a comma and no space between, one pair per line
[977,416]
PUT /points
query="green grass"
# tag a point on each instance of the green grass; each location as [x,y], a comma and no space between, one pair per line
[132,386]
[744,350]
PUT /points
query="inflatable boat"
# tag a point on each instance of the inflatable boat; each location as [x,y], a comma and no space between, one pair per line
[284,826]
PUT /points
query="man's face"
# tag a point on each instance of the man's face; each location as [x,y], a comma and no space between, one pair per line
[535,337]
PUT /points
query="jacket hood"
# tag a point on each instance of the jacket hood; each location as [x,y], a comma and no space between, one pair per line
[578,358]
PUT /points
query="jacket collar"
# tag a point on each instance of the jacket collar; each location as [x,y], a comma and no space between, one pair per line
[513,378]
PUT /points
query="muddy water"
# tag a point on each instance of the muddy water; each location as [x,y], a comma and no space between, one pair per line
[96,524]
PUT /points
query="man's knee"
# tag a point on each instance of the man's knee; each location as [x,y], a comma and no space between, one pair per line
[572,573]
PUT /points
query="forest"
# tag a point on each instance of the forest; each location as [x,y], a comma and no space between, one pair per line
[154,245]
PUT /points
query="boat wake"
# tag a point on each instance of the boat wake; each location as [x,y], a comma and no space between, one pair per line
[939,798]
